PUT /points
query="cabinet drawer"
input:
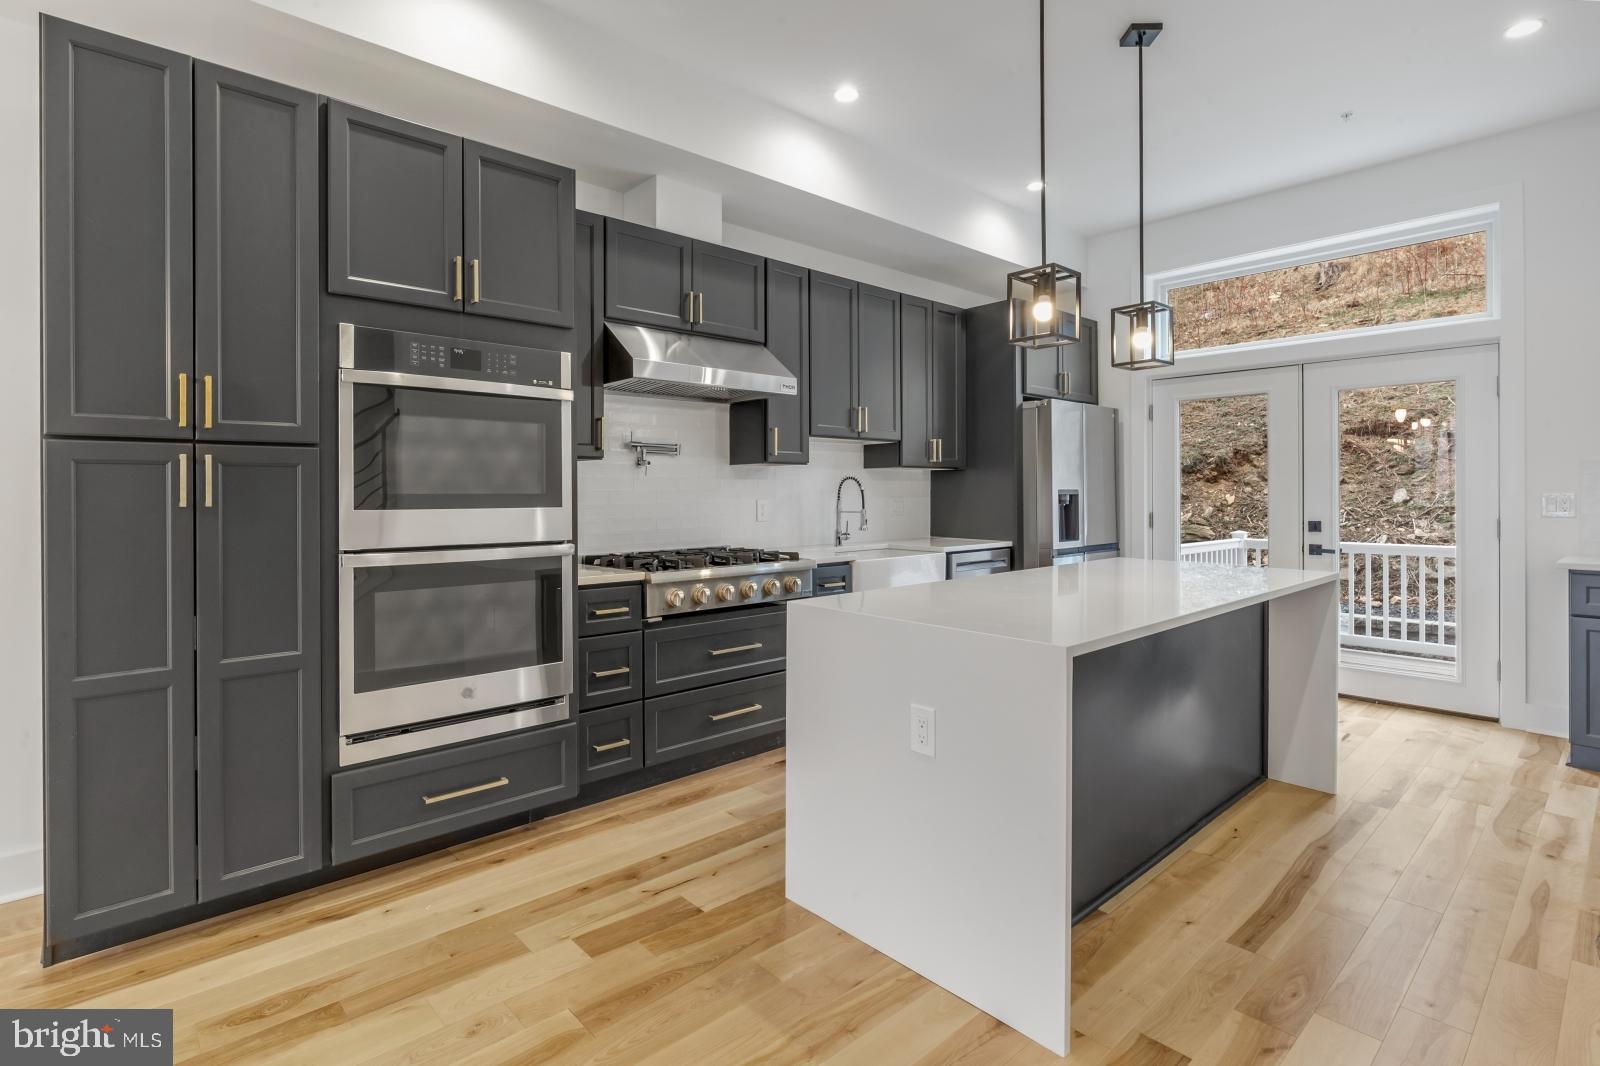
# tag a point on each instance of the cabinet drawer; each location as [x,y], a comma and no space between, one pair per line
[831,580]
[610,742]
[610,670]
[379,807]
[678,657]
[692,722]
[978,563]
[1584,594]
[610,609]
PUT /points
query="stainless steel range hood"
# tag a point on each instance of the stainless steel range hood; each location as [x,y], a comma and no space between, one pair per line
[656,362]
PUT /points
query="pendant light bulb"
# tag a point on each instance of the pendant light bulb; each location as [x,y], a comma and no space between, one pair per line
[1141,339]
[1043,309]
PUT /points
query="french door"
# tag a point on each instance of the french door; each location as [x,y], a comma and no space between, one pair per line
[1383,469]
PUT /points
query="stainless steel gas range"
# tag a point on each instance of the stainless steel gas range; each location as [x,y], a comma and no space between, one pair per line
[686,580]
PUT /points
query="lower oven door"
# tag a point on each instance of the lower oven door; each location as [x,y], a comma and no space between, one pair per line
[436,634]
[464,462]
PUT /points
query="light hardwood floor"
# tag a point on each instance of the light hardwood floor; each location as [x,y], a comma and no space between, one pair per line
[1443,909]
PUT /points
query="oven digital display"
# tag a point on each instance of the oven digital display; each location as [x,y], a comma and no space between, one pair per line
[466,359]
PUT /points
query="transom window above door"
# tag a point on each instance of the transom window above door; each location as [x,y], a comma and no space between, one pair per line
[1396,277]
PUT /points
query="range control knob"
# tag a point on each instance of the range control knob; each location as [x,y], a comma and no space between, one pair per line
[791,584]
[771,586]
[747,589]
[724,593]
[701,594]
[674,597]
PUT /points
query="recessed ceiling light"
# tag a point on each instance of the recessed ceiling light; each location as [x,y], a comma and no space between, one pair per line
[1035,186]
[847,94]
[1524,28]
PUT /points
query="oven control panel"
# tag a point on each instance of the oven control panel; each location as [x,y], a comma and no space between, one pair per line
[368,348]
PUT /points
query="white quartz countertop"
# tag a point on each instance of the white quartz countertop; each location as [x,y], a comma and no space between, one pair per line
[931,545]
[1080,608]
[1579,562]
[605,575]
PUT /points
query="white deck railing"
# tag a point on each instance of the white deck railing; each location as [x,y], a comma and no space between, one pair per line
[1392,597]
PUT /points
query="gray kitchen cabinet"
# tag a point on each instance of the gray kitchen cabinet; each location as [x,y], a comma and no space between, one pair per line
[610,742]
[256,251]
[649,276]
[854,369]
[119,683]
[519,236]
[688,723]
[685,654]
[588,362]
[831,357]
[258,707]
[394,210]
[1071,372]
[775,430]
[1584,669]
[932,389]
[118,220]
[662,279]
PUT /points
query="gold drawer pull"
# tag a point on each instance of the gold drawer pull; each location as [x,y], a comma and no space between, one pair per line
[606,612]
[834,584]
[207,423]
[601,749]
[183,401]
[742,647]
[736,712]
[615,671]
[442,797]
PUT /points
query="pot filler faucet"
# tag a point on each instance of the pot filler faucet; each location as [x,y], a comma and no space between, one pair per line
[841,523]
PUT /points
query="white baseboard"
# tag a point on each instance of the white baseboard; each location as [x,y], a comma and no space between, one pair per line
[21,874]
[1535,718]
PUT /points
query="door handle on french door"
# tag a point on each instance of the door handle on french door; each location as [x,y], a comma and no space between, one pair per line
[1317,549]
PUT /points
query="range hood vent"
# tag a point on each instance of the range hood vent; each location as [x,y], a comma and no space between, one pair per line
[656,362]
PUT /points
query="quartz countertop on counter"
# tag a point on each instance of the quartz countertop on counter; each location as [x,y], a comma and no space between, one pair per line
[1080,608]
[930,545]
[605,575]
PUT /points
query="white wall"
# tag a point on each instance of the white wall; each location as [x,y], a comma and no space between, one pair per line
[1544,177]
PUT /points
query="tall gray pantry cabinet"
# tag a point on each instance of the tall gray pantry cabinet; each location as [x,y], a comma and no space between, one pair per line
[181,626]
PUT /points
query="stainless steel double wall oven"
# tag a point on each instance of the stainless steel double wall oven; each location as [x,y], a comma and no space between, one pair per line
[456,564]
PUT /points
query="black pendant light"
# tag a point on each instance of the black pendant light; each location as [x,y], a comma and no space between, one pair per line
[1046,300]
[1141,333]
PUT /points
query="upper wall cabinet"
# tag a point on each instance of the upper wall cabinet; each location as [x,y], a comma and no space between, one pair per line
[669,281]
[1071,372]
[422,217]
[180,246]
[932,389]
[773,430]
[854,371]
[255,258]
[118,236]
[588,369]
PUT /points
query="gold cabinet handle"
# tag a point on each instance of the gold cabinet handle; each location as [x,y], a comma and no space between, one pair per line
[834,584]
[442,797]
[457,297]
[607,612]
[183,479]
[774,440]
[477,282]
[933,449]
[742,647]
[866,420]
[700,306]
[183,400]
[601,749]
[615,671]
[736,712]
[689,300]
[207,458]
[207,423]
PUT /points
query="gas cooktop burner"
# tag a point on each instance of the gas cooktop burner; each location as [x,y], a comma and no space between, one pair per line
[705,579]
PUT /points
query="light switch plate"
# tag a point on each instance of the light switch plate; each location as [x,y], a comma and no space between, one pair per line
[761,510]
[1558,505]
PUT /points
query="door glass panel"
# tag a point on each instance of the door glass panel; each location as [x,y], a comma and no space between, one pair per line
[437,621]
[1397,523]
[421,449]
[1222,480]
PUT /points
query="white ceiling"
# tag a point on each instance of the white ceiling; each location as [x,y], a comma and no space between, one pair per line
[1242,96]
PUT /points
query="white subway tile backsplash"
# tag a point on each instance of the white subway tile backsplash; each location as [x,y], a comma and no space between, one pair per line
[697,498]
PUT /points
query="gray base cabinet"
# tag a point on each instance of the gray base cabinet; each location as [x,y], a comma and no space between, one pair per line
[117,189]
[1584,669]
[119,628]
[775,430]
[258,707]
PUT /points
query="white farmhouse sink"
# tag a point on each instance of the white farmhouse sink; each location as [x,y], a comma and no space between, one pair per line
[881,568]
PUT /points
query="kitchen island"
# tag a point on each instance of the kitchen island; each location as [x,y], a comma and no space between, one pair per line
[973,764]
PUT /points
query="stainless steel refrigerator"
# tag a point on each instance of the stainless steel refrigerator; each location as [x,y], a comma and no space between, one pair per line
[1069,483]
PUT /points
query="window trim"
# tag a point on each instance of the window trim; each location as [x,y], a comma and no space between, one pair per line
[1484,219]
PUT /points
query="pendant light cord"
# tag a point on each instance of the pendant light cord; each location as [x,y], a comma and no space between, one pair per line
[1044,256]
[1141,165]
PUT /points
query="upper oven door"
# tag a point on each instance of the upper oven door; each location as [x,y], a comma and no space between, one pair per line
[429,461]
[436,634]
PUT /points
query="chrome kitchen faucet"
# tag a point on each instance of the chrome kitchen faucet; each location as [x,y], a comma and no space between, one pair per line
[841,524]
